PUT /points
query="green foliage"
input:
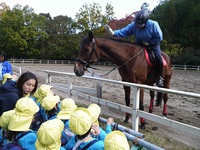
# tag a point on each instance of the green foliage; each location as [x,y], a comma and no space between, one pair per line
[90,16]
[24,34]
[179,20]
[20,30]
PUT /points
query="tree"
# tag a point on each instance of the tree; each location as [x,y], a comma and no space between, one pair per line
[3,8]
[20,30]
[90,16]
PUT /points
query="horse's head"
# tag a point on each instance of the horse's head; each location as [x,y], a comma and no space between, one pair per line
[85,56]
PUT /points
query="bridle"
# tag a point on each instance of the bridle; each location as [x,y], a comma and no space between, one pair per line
[87,62]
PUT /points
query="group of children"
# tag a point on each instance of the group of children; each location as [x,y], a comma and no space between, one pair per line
[44,121]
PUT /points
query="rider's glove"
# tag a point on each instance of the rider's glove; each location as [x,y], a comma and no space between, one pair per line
[146,43]
[109,30]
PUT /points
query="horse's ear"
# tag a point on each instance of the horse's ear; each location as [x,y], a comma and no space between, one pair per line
[82,36]
[90,35]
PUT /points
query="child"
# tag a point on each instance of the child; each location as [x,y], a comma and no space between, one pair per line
[49,135]
[43,91]
[97,131]
[6,77]
[4,122]
[19,125]
[116,140]
[80,124]
[67,106]
[50,105]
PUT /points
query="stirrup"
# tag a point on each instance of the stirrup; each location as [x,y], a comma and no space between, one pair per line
[159,81]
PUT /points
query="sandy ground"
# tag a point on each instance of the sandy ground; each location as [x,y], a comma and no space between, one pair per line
[182,109]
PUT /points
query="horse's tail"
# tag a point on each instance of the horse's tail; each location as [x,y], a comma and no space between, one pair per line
[159,99]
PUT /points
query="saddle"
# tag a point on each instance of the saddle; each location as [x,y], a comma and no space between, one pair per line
[150,57]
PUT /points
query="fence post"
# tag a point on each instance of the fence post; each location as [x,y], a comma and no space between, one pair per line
[70,86]
[99,89]
[135,117]
[48,78]
[20,71]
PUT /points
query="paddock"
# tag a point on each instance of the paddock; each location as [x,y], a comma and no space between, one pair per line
[181,108]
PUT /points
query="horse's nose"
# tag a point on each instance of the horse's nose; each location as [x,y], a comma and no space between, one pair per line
[76,72]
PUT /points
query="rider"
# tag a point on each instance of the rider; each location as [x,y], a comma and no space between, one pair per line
[146,32]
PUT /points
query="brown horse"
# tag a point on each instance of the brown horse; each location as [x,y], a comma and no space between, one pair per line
[132,66]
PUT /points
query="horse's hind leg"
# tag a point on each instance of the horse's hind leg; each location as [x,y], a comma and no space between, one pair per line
[127,100]
[165,95]
[152,95]
[165,98]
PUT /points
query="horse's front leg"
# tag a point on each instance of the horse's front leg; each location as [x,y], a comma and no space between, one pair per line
[127,100]
[141,107]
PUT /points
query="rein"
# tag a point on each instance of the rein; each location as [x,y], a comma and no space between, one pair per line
[87,63]
[122,64]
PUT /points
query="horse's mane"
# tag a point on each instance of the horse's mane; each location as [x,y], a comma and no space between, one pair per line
[120,40]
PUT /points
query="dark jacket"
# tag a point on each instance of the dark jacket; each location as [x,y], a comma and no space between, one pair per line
[9,94]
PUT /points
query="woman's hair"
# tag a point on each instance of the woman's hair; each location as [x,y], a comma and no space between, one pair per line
[4,56]
[80,137]
[25,77]
[10,135]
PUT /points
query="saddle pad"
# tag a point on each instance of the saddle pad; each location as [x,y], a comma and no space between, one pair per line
[149,61]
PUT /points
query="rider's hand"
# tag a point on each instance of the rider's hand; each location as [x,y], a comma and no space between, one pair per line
[146,43]
[109,30]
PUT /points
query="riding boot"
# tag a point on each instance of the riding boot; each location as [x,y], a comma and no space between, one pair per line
[159,81]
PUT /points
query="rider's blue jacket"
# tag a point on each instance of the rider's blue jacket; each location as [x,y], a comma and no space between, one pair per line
[151,34]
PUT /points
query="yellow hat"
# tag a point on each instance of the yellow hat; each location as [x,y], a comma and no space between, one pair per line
[67,106]
[116,140]
[49,102]
[5,118]
[95,111]
[49,135]
[43,91]
[80,121]
[5,77]
[25,109]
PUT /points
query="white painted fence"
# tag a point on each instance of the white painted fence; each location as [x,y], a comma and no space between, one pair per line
[38,61]
[17,70]
[85,92]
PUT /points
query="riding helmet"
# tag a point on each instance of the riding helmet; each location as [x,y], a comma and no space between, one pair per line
[142,17]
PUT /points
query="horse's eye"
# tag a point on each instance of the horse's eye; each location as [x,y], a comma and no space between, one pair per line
[86,49]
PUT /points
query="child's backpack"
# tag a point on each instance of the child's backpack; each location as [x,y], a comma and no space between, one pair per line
[14,145]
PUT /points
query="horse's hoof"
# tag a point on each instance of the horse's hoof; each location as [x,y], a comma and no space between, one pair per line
[125,120]
[142,126]
[150,110]
[165,115]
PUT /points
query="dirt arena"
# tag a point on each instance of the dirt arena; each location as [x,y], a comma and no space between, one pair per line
[182,109]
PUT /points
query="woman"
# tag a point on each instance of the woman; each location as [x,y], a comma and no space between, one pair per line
[5,66]
[11,91]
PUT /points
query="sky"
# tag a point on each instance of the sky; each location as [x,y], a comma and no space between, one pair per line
[71,7]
